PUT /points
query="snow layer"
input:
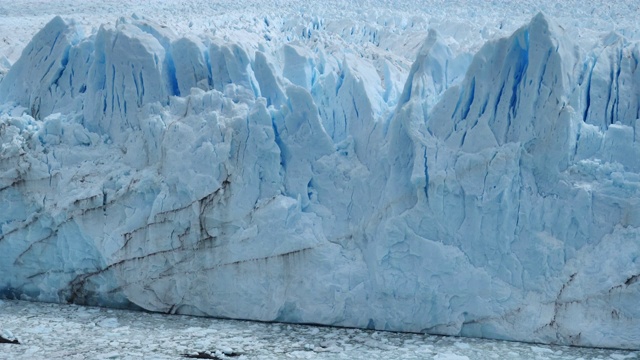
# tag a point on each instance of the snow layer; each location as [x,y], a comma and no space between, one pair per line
[309,174]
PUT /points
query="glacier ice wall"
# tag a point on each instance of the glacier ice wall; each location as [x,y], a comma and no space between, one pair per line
[493,194]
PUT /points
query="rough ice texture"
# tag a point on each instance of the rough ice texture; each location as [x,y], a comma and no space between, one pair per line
[493,194]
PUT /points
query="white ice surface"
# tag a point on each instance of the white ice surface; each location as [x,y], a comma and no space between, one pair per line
[445,168]
[49,331]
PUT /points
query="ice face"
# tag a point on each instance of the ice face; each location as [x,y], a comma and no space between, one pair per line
[492,194]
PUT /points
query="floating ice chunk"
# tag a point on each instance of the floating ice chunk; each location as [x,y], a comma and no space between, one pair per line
[108,323]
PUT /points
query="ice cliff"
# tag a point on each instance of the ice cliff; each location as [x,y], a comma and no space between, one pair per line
[286,178]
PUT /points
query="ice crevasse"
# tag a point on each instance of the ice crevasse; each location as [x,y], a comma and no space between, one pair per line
[494,194]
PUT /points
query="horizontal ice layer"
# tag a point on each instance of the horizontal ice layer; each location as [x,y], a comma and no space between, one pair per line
[492,194]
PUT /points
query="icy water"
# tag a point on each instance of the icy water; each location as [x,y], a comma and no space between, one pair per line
[51,331]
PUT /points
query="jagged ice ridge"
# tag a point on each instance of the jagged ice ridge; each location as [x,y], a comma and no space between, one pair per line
[493,194]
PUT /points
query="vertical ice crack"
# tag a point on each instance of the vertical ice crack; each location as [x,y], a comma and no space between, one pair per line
[470,98]
[588,91]
[426,175]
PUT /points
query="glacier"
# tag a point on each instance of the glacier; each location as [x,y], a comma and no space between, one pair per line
[489,193]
